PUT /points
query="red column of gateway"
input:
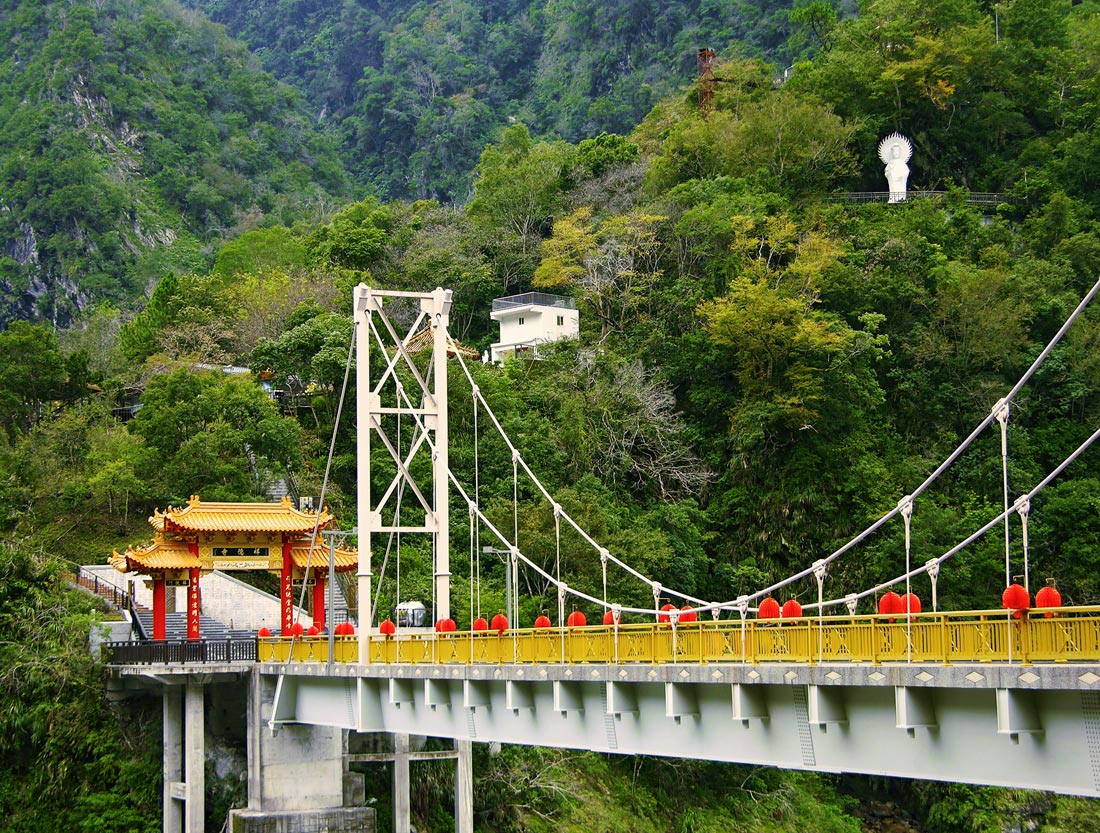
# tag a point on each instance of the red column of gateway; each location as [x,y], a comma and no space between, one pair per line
[194,599]
[160,606]
[319,603]
[286,593]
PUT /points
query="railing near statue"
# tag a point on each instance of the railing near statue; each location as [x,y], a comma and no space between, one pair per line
[971,197]
[1069,635]
[180,652]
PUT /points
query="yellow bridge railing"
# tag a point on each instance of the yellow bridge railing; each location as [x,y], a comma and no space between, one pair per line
[1068,635]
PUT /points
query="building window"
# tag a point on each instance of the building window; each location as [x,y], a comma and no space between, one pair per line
[561,320]
[521,321]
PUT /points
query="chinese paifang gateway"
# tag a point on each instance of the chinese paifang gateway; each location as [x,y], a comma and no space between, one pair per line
[201,537]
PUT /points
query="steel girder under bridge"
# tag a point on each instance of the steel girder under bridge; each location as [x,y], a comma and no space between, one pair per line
[1034,727]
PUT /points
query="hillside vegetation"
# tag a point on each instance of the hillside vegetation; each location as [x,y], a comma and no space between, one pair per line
[136,132]
[415,89]
[763,368]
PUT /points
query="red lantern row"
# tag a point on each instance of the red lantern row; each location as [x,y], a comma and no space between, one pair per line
[769,609]
[686,615]
[891,604]
[343,629]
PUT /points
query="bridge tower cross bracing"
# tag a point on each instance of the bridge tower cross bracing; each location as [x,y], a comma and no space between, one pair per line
[425,410]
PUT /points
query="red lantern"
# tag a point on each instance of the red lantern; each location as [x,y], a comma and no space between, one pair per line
[313,631]
[499,623]
[891,604]
[769,609]
[446,626]
[663,617]
[542,623]
[576,619]
[387,628]
[480,624]
[349,629]
[296,629]
[264,631]
[342,629]
[1016,599]
[791,609]
[609,617]
[910,603]
[688,615]
[1048,597]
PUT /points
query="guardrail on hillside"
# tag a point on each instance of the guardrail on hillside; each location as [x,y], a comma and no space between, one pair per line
[175,652]
[111,593]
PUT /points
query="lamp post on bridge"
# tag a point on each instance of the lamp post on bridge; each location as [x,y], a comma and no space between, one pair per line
[507,579]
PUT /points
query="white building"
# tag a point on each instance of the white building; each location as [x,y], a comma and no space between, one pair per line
[531,319]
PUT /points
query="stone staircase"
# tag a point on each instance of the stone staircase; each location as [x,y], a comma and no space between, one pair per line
[210,628]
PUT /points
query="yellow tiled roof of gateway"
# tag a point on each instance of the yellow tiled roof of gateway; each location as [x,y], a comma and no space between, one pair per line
[197,516]
[160,555]
[345,559]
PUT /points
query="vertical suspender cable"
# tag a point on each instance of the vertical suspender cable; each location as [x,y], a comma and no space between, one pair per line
[514,613]
[906,508]
[1023,508]
[477,505]
[473,519]
[397,515]
[557,563]
[1000,410]
[603,568]
[557,578]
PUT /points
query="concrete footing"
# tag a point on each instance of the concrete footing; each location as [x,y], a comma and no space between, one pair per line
[333,820]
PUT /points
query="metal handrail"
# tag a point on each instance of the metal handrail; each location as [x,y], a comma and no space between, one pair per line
[541,299]
[164,652]
[106,590]
[984,636]
[136,623]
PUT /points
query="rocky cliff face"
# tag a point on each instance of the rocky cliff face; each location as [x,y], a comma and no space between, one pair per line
[136,136]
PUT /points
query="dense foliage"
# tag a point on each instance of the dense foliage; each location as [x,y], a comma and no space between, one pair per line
[415,89]
[763,369]
[71,759]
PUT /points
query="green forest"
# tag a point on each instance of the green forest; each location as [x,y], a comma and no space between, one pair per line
[764,366]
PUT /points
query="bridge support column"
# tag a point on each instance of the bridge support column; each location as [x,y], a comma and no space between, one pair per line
[184,758]
[402,805]
[464,787]
[172,812]
[194,759]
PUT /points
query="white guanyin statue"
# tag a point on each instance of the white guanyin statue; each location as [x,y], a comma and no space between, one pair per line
[894,151]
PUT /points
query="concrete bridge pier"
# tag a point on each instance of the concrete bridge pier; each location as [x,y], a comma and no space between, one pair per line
[297,774]
[184,756]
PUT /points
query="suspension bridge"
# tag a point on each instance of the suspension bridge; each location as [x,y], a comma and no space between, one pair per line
[1008,696]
